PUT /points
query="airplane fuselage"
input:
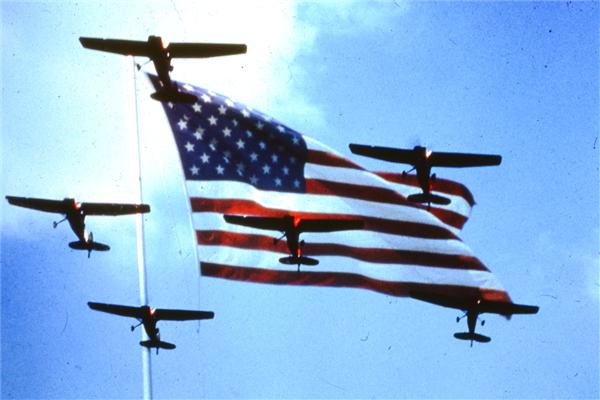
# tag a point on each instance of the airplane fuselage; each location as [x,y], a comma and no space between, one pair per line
[159,54]
[149,323]
[76,218]
[292,235]
[293,242]
[423,169]
[472,315]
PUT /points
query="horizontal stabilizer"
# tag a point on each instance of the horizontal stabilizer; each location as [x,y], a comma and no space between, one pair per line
[298,260]
[174,96]
[89,246]
[428,198]
[157,344]
[472,336]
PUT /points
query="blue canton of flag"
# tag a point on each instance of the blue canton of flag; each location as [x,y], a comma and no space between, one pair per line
[218,139]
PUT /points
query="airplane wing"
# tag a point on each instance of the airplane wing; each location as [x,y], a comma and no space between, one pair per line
[464,303]
[182,315]
[460,303]
[504,308]
[55,206]
[329,225]
[125,47]
[404,156]
[125,311]
[440,159]
[204,50]
[113,209]
[271,223]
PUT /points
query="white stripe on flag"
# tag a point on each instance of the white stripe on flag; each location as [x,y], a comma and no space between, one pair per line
[385,272]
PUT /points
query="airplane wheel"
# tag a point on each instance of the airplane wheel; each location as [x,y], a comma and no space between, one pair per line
[483,323]
[457,320]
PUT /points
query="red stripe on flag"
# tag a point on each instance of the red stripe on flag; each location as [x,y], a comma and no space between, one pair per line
[382,225]
[330,160]
[380,195]
[360,192]
[449,217]
[338,279]
[372,255]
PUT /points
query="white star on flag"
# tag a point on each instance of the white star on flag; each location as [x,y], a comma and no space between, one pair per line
[199,133]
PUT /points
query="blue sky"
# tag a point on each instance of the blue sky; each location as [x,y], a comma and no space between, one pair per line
[517,79]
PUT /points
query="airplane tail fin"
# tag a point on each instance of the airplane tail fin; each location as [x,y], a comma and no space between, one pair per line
[428,198]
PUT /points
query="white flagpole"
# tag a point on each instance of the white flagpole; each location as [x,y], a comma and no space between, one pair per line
[139,227]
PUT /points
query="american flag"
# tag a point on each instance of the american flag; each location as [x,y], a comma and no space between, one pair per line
[237,160]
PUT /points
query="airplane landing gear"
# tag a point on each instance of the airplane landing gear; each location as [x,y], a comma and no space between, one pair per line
[407,171]
[275,241]
[135,326]
[55,224]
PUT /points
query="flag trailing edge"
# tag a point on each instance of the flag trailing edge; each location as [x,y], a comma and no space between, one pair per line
[237,160]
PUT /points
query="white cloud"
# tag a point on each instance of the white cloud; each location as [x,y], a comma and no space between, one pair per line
[271,77]
[355,17]
[264,78]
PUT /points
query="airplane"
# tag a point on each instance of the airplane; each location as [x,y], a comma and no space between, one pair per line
[473,306]
[292,227]
[148,317]
[161,53]
[422,160]
[75,213]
